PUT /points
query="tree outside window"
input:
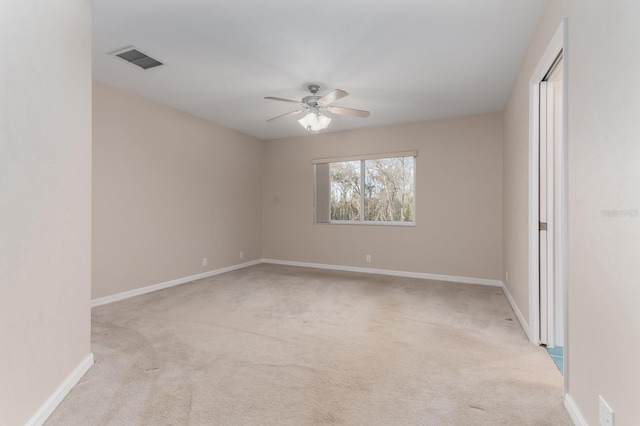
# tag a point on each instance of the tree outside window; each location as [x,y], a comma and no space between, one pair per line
[373,190]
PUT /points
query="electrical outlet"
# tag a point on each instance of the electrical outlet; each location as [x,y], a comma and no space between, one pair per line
[241,254]
[606,413]
[368,258]
[204,261]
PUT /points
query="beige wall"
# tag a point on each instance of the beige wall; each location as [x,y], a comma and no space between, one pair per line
[516,162]
[45,199]
[458,201]
[160,173]
[604,174]
[604,171]
[169,189]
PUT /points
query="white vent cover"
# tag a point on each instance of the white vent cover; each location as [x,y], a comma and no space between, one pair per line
[134,56]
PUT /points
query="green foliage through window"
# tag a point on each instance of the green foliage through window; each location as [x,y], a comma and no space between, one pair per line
[345,190]
[377,190]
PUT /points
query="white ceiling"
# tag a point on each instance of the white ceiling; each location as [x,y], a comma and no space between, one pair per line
[404,60]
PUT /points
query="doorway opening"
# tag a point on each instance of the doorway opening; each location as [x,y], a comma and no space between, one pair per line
[548,201]
[550,188]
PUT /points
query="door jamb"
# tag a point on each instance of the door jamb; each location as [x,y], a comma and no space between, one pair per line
[558,44]
[555,47]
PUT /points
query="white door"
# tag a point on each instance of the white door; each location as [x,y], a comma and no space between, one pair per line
[550,191]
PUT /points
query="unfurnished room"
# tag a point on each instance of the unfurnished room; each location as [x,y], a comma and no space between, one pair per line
[340,212]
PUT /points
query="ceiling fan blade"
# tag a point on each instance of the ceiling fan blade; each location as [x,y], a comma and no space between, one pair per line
[349,111]
[332,97]
[272,98]
[284,115]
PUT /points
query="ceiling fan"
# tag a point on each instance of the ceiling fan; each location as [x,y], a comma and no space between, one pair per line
[315,105]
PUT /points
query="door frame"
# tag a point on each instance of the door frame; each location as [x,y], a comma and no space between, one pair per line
[557,45]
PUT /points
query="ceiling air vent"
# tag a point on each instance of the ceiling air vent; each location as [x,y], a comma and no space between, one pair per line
[136,57]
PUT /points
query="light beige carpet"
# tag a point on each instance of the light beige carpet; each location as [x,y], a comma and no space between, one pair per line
[275,345]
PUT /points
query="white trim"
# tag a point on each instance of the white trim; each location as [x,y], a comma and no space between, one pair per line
[366,222]
[148,289]
[574,412]
[58,395]
[556,45]
[155,287]
[464,280]
[563,257]
[365,157]
[361,220]
[514,306]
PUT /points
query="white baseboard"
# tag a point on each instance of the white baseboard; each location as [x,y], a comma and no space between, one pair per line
[514,306]
[155,287]
[464,280]
[574,412]
[56,397]
[148,289]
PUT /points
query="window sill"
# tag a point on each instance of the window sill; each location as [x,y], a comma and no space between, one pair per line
[371,223]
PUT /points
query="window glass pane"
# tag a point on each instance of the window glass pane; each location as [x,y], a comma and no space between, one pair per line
[389,189]
[345,190]
[373,189]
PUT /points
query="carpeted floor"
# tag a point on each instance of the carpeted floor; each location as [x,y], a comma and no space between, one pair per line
[276,345]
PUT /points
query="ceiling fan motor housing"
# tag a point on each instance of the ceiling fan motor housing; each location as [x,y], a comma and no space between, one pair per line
[311,101]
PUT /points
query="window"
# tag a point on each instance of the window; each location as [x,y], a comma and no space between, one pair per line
[375,189]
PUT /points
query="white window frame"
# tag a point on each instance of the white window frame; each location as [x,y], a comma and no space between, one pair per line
[362,159]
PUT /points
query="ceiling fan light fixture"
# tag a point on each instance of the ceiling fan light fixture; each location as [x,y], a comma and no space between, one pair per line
[314,121]
[314,105]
